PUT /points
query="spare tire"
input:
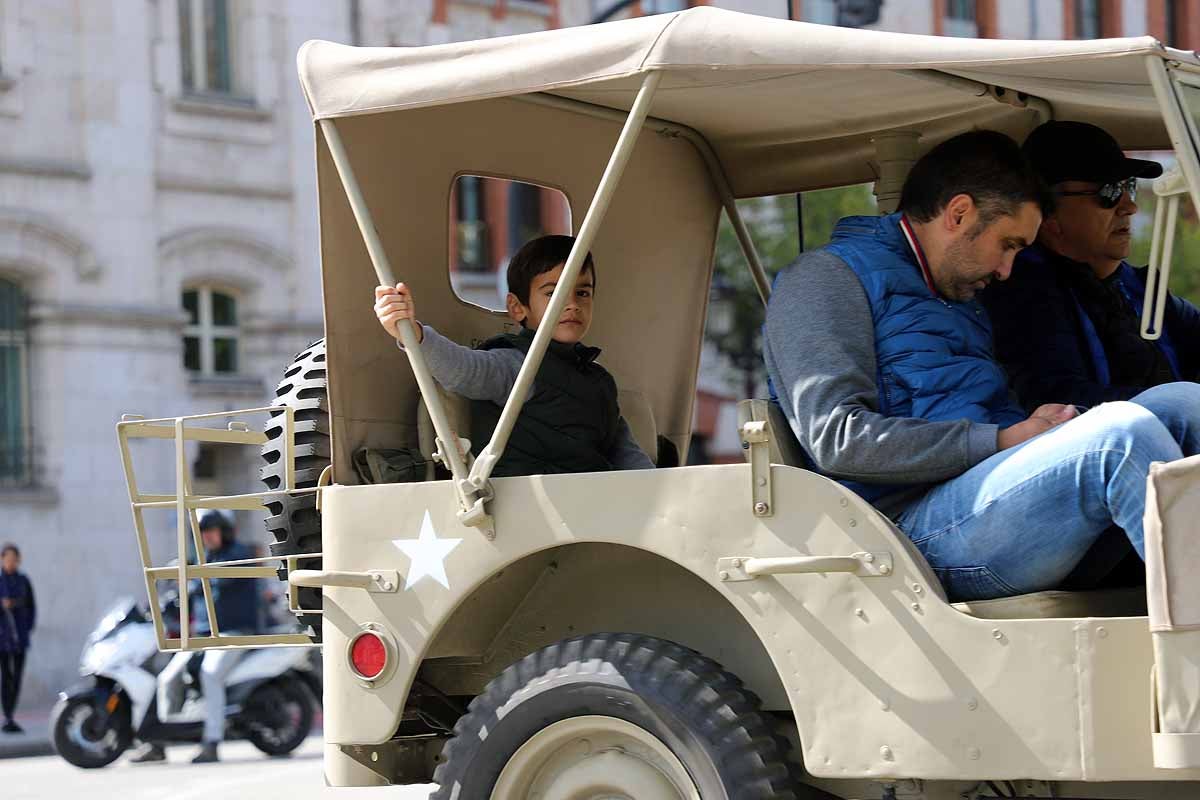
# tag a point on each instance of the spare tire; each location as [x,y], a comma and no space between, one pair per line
[293,520]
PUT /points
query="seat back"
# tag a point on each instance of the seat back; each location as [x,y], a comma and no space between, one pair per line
[458,414]
[635,408]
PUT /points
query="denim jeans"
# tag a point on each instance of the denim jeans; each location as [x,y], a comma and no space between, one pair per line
[1021,520]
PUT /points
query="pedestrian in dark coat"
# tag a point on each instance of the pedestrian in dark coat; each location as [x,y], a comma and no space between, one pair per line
[18,613]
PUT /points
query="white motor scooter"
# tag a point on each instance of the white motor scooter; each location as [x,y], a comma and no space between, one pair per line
[271,695]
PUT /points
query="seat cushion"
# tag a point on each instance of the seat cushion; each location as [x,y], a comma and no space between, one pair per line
[1129,602]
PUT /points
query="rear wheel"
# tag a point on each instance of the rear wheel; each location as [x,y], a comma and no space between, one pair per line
[616,716]
[278,716]
[293,521]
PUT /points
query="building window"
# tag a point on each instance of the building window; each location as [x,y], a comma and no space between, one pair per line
[470,225]
[490,218]
[205,47]
[960,19]
[1088,22]
[15,466]
[210,339]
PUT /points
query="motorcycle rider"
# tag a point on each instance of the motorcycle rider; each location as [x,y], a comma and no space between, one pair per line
[236,603]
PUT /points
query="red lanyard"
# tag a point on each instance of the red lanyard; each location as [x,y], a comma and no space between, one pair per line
[918,252]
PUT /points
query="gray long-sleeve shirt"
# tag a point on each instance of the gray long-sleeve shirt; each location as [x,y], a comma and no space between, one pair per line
[490,375]
[819,347]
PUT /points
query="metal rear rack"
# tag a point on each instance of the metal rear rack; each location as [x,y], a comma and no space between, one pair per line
[186,504]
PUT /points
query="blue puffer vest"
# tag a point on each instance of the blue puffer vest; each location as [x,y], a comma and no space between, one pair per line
[933,356]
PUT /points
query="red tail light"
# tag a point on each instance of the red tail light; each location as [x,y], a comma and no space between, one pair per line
[368,655]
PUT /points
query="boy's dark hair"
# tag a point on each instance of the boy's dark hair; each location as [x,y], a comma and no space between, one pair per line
[538,256]
[10,546]
[987,165]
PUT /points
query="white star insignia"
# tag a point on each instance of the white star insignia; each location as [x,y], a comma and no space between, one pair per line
[427,554]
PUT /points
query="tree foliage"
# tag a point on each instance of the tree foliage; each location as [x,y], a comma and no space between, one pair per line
[736,312]
[1185,260]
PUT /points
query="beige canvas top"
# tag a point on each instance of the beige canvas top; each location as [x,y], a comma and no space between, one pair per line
[783,103]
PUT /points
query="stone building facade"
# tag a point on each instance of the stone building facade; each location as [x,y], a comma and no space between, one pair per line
[158,255]
[159,248]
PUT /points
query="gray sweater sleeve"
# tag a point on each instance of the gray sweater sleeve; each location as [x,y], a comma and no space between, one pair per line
[474,374]
[626,454]
[820,352]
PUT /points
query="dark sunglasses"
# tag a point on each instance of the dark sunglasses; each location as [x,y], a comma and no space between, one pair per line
[1108,195]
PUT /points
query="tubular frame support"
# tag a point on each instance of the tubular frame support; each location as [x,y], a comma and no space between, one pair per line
[471,502]
[711,162]
[1176,124]
[486,461]
[1000,94]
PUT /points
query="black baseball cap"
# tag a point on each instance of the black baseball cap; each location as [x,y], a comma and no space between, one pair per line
[1077,151]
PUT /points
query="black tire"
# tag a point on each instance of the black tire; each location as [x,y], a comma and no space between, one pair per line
[703,715]
[278,716]
[81,743]
[293,520]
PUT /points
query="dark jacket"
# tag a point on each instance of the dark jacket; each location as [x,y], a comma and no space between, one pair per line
[1061,343]
[236,599]
[17,622]
[568,423]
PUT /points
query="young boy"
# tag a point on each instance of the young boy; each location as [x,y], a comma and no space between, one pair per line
[570,421]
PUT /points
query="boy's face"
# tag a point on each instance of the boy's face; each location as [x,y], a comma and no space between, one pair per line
[576,317]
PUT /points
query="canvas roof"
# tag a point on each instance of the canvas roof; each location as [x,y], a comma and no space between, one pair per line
[786,105]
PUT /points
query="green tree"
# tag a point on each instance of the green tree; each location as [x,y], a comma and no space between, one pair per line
[735,311]
[1185,260]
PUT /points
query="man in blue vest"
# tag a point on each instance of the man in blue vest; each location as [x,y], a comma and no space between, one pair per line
[1068,323]
[882,360]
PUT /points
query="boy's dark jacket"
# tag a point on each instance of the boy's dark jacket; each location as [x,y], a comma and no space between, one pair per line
[568,424]
[17,622]
[1047,336]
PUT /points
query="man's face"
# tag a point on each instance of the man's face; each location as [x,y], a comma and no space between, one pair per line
[1085,231]
[983,253]
[576,317]
[211,538]
[10,562]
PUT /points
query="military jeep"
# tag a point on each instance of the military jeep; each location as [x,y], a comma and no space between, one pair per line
[746,630]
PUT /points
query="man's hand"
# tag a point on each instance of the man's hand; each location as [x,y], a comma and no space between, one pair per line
[8,602]
[394,305]
[1041,420]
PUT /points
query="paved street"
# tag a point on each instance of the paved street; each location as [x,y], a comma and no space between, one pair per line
[243,773]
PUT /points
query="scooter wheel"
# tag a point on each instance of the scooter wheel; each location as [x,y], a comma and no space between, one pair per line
[80,740]
[278,717]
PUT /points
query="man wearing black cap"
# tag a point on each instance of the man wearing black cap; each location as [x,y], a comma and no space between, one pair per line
[1066,324]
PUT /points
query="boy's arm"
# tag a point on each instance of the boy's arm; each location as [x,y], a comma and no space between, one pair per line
[474,374]
[626,454]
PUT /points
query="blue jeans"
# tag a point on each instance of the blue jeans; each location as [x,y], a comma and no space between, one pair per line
[1021,520]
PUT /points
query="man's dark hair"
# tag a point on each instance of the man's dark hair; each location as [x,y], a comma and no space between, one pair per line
[987,165]
[10,547]
[215,519]
[539,256]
